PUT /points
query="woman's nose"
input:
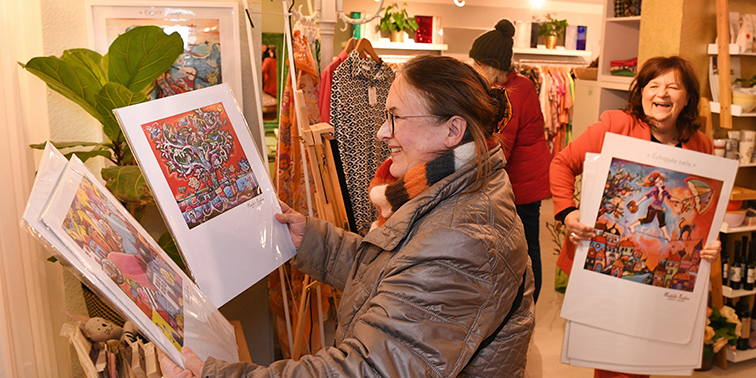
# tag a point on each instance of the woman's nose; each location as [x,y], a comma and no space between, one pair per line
[384,132]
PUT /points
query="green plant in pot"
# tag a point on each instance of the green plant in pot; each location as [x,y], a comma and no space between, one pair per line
[122,77]
[396,20]
[550,29]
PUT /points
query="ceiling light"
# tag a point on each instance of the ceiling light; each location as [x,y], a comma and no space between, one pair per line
[459,3]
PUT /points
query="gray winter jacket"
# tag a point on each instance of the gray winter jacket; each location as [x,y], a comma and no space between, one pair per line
[423,291]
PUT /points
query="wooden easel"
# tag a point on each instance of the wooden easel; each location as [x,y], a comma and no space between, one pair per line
[328,201]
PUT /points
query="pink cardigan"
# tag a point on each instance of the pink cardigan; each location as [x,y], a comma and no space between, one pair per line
[569,162]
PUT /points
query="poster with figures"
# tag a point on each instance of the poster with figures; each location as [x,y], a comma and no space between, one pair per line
[202,162]
[106,247]
[209,182]
[653,208]
[210,32]
[633,240]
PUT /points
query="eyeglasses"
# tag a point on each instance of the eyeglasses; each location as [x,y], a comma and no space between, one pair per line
[391,117]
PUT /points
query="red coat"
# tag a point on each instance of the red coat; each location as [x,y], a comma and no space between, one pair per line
[569,162]
[525,146]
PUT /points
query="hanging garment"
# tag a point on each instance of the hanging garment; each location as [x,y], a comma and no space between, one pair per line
[290,178]
[326,80]
[358,100]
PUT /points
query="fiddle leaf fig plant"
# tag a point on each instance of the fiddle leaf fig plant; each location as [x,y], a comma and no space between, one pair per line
[98,84]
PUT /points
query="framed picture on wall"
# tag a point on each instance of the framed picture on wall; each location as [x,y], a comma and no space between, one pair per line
[210,32]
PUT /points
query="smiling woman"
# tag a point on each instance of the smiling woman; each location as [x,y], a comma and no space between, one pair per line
[441,285]
[662,107]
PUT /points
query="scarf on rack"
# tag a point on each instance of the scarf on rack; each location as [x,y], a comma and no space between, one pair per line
[389,193]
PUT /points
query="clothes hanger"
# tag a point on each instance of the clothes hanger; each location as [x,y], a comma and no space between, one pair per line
[364,47]
[351,43]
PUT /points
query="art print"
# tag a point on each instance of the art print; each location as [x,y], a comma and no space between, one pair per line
[654,208]
[110,241]
[210,32]
[651,225]
[197,67]
[209,181]
[202,162]
[104,246]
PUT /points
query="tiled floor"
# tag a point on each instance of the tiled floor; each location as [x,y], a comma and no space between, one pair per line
[546,346]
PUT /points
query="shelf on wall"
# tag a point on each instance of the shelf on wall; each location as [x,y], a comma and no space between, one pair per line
[742,194]
[551,52]
[726,229]
[624,19]
[621,83]
[712,49]
[729,293]
[735,109]
[740,355]
[381,45]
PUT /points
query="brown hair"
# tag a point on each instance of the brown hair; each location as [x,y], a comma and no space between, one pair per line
[688,121]
[453,88]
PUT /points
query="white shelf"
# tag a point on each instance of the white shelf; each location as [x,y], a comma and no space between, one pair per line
[726,229]
[713,49]
[381,45]
[621,83]
[624,19]
[735,109]
[729,293]
[551,52]
[740,355]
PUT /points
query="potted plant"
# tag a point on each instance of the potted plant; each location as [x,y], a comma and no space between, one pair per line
[122,77]
[550,29]
[722,328]
[396,21]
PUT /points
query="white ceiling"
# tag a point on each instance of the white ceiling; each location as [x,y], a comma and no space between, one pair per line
[509,3]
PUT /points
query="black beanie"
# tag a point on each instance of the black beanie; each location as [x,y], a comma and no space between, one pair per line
[494,48]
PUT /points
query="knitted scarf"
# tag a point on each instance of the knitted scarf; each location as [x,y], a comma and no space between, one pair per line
[389,193]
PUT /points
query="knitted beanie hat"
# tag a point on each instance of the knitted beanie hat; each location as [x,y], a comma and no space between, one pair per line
[494,48]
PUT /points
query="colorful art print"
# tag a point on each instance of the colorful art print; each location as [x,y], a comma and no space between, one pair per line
[652,224]
[199,66]
[129,260]
[202,162]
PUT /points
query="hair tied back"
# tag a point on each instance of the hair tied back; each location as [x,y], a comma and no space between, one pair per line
[504,106]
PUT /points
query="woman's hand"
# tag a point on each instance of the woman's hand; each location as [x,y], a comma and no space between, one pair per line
[191,361]
[295,220]
[711,251]
[577,231]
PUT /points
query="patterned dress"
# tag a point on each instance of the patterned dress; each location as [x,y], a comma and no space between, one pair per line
[358,99]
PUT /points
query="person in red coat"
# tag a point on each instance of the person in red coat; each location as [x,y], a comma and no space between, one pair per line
[523,138]
[662,107]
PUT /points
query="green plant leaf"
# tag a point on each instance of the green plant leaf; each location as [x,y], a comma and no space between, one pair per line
[86,155]
[168,245]
[88,60]
[62,145]
[127,184]
[114,96]
[76,84]
[139,56]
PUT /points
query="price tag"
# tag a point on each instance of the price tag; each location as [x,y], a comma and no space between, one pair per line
[372,96]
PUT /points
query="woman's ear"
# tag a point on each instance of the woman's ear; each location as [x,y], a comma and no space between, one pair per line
[456,131]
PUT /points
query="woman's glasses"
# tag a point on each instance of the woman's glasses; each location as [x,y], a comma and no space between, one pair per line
[391,117]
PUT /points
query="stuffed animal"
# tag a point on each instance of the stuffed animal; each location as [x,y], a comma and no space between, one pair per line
[97,329]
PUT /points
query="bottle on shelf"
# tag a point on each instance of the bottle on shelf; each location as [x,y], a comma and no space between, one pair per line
[743,312]
[744,263]
[729,304]
[751,266]
[736,271]
[752,338]
[725,263]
